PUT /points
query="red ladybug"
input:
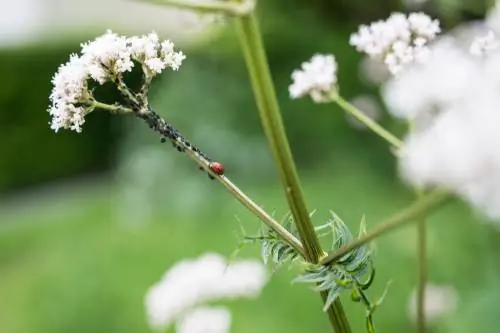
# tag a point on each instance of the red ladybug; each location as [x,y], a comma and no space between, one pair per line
[217,168]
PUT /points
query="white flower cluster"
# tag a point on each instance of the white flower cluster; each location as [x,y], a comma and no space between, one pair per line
[193,282]
[103,60]
[484,44]
[205,320]
[454,100]
[423,90]
[398,41]
[316,78]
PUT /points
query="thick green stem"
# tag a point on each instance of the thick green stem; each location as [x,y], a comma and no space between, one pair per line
[419,208]
[376,128]
[270,116]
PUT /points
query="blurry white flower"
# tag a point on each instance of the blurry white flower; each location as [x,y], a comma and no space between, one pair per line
[484,44]
[103,60]
[193,282]
[439,301]
[366,104]
[423,91]
[205,320]
[398,41]
[316,78]
[459,151]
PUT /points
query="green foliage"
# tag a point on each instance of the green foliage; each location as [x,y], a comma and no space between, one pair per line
[344,275]
[31,152]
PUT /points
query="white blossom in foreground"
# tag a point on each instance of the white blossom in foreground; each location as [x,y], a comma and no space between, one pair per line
[102,60]
[398,41]
[205,320]
[316,78]
[424,90]
[439,301]
[193,282]
[453,101]
[484,44]
[459,150]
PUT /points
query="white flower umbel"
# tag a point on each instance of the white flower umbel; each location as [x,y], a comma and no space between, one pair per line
[193,282]
[398,41]
[459,151]
[483,45]
[423,91]
[205,320]
[102,60]
[316,78]
[439,301]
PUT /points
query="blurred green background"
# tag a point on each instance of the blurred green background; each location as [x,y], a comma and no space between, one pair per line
[88,222]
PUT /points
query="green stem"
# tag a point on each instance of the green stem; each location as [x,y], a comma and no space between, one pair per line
[261,214]
[421,259]
[270,116]
[108,107]
[422,268]
[203,6]
[374,126]
[420,207]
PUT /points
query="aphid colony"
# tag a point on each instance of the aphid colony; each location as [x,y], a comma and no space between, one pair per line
[158,124]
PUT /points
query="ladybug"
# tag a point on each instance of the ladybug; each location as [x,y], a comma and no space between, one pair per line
[217,168]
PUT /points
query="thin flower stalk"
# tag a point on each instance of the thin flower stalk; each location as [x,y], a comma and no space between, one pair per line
[274,129]
[368,122]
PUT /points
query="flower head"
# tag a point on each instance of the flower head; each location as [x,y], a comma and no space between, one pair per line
[70,86]
[193,282]
[398,41]
[316,78]
[422,91]
[105,59]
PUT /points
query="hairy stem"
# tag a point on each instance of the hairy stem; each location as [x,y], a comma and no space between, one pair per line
[372,125]
[270,116]
[419,208]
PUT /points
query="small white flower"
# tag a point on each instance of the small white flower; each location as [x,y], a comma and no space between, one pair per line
[109,55]
[193,282]
[398,41]
[484,44]
[205,320]
[316,78]
[438,302]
